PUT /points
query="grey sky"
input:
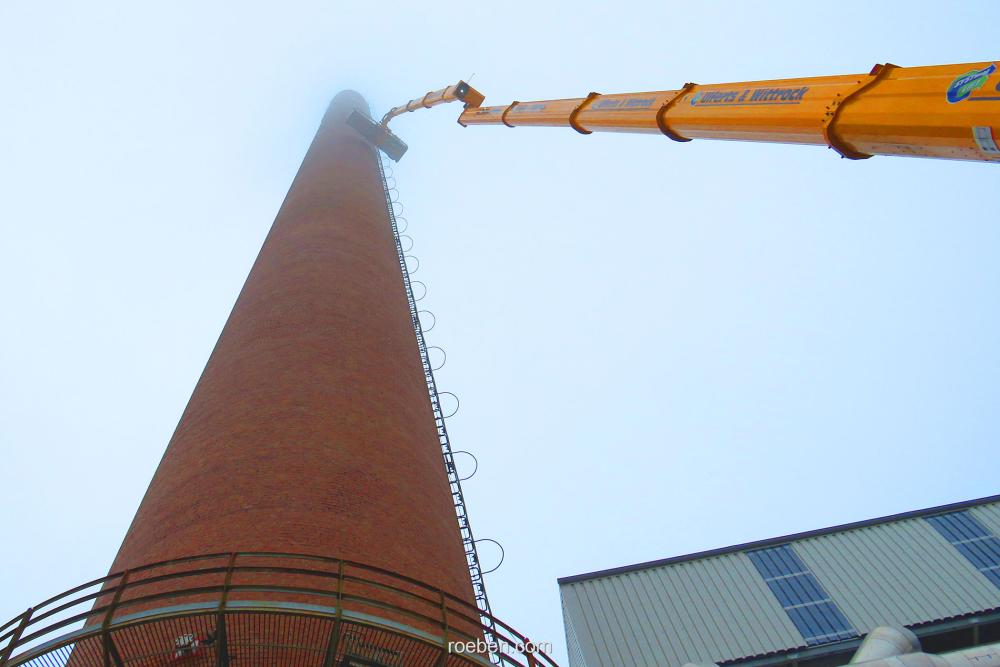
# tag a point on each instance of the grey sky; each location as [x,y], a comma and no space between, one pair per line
[659,348]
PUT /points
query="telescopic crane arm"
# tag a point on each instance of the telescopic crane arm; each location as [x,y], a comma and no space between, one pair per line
[461,91]
[941,111]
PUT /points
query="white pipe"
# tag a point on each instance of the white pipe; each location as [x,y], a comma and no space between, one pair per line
[898,647]
[886,642]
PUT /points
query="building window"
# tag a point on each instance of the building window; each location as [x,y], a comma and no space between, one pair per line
[972,539]
[802,597]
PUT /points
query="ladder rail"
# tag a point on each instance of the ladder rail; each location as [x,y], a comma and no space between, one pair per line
[454,482]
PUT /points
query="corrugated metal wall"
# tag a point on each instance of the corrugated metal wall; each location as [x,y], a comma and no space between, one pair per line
[719,608]
[989,515]
[699,610]
[902,572]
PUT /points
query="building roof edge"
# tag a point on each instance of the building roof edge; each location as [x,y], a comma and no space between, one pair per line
[772,541]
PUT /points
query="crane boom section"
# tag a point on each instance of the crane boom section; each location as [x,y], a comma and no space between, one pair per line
[943,111]
[461,91]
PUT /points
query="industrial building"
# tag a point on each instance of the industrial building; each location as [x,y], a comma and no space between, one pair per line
[803,600]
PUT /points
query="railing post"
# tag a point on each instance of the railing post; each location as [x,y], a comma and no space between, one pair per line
[221,640]
[16,637]
[111,654]
[445,646]
[108,650]
[331,647]
[530,655]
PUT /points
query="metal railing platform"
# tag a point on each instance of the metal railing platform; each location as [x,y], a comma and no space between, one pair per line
[250,609]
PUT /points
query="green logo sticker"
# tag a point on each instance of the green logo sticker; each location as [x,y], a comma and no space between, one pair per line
[968,83]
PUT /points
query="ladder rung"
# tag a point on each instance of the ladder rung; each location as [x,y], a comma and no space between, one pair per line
[475,571]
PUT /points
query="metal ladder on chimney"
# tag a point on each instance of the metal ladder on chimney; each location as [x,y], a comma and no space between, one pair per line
[468,540]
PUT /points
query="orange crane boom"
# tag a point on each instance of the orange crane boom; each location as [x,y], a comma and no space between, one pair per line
[941,111]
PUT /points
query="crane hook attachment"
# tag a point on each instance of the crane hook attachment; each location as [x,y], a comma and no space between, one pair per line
[377,135]
[382,137]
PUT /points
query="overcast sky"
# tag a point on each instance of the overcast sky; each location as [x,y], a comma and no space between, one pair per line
[659,347]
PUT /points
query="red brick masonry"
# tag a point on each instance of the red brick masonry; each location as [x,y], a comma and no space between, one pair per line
[310,430]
